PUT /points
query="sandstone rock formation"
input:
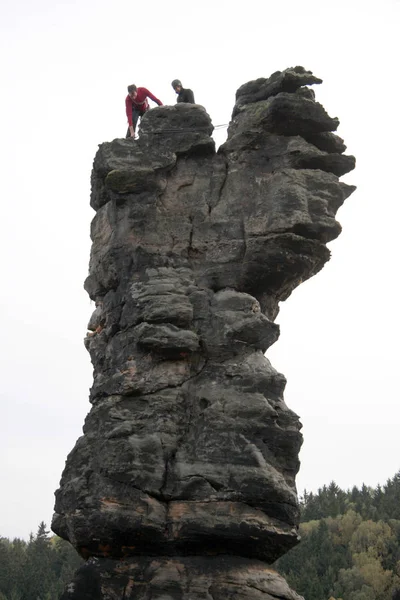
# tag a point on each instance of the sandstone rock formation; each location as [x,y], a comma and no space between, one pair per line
[183,484]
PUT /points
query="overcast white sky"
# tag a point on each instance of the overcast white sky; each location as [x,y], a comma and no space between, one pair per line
[65,68]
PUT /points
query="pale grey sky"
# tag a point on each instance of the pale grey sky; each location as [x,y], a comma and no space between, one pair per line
[65,68]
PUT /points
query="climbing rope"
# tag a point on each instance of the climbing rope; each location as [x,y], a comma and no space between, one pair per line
[176,130]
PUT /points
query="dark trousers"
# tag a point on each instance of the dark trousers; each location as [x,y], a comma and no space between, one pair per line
[135,117]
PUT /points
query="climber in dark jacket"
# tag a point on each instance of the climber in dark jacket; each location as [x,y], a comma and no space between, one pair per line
[184,94]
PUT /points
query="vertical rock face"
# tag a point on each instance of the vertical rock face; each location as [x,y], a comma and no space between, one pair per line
[183,484]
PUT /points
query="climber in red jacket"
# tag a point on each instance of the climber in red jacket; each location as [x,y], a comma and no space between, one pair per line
[136,105]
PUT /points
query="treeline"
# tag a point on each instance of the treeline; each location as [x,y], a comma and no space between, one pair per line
[350,550]
[38,569]
[350,546]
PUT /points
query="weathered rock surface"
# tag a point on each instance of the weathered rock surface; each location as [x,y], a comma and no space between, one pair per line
[160,578]
[184,478]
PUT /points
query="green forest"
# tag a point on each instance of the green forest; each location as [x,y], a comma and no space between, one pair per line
[350,546]
[38,569]
[350,550]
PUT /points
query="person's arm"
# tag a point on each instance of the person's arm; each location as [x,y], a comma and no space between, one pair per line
[190,97]
[128,108]
[152,97]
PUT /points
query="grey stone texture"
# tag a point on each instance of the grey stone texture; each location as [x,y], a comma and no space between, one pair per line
[183,483]
[194,578]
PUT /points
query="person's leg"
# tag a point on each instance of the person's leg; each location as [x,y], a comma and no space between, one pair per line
[140,122]
[135,117]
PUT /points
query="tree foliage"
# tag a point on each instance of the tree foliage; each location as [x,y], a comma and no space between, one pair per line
[350,550]
[38,569]
[351,544]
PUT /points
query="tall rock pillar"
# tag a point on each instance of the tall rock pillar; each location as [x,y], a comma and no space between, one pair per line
[183,483]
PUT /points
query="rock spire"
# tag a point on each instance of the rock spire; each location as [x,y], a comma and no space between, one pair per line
[182,486]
